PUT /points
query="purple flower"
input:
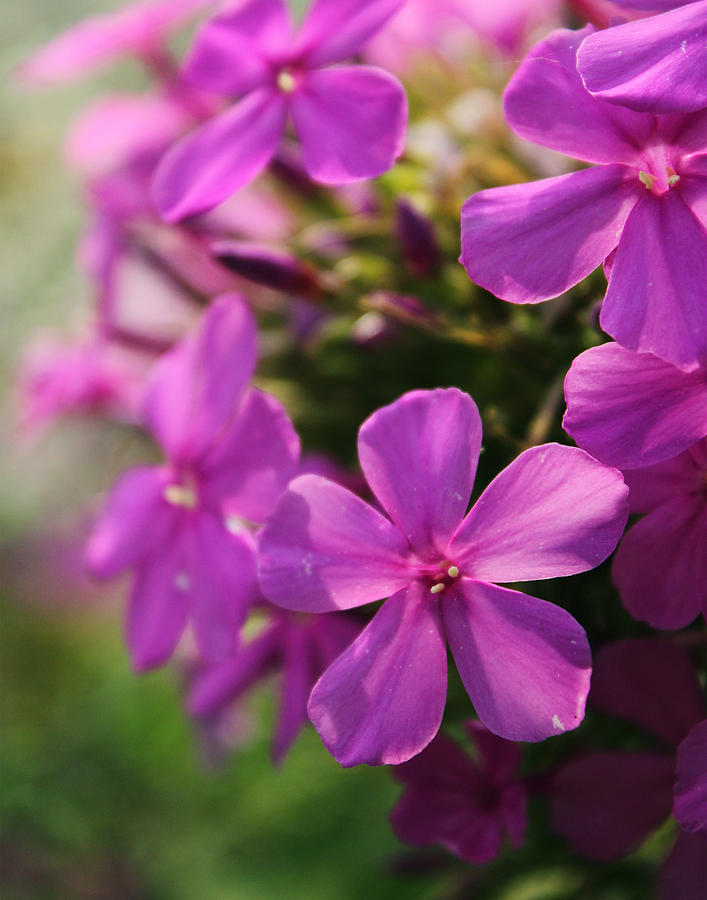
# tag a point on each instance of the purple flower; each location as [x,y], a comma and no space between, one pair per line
[632,409]
[350,119]
[524,662]
[468,806]
[646,199]
[607,804]
[660,567]
[654,65]
[299,648]
[231,451]
[690,806]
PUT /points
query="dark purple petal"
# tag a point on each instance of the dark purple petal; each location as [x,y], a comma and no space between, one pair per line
[265,265]
[655,302]
[632,410]
[497,757]
[606,804]
[351,122]
[690,807]
[382,700]
[194,391]
[554,511]
[653,485]
[335,29]
[324,549]
[248,469]
[122,535]
[235,51]
[525,663]
[684,873]
[650,682]
[547,103]
[442,766]
[419,456]
[299,673]
[206,167]
[529,242]
[660,568]
[655,64]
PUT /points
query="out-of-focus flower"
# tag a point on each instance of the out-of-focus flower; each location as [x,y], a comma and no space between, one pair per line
[525,663]
[231,451]
[138,29]
[350,119]
[273,268]
[660,567]
[632,409]
[690,806]
[298,648]
[467,805]
[607,804]
[417,239]
[529,242]
[658,64]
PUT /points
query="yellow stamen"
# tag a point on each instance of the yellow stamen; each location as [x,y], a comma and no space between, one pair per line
[436,588]
[453,572]
[286,82]
[178,495]
[647,180]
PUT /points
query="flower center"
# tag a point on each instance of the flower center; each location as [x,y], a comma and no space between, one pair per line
[286,81]
[658,173]
[443,577]
[182,495]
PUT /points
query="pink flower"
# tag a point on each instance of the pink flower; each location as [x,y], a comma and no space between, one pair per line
[645,199]
[350,119]
[524,662]
[231,451]
[468,806]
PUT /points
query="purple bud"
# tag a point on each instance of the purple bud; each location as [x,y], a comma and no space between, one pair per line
[264,265]
[417,240]
[403,307]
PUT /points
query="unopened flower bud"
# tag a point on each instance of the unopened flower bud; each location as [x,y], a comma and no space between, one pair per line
[417,240]
[264,265]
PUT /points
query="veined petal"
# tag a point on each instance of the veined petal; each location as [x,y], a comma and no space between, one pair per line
[122,534]
[525,663]
[655,302]
[690,808]
[336,29]
[547,103]
[324,549]
[633,409]
[351,122]
[529,242]
[553,511]
[237,50]
[382,700]
[419,456]
[194,392]
[656,64]
[660,568]
[204,168]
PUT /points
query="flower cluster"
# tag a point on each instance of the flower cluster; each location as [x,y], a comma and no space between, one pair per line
[247,211]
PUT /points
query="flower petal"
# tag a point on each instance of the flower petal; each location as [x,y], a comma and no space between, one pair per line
[525,663]
[250,467]
[204,168]
[324,549]
[351,122]
[690,807]
[554,511]
[655,64]
[529,242]
[633,409]
[299,673]
[234,51]
[382,700]
[122,534]
[650,682]
[606,804]
[655,302]
[547,103]
[419,456]
[336,29]
[684,873]
[653,485]
[660,568]
[194,391]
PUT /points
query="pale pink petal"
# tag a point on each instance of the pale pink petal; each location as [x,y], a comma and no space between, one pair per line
[382,700]
[351,122]
[324,549]
[335,29]
[529,242]
[525,663]
[632,409]
[690,807]
[237,50]
[554,511]
[203,169]
[684,873]
[660,568]
[419,456]
[194,391]
[655,302]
